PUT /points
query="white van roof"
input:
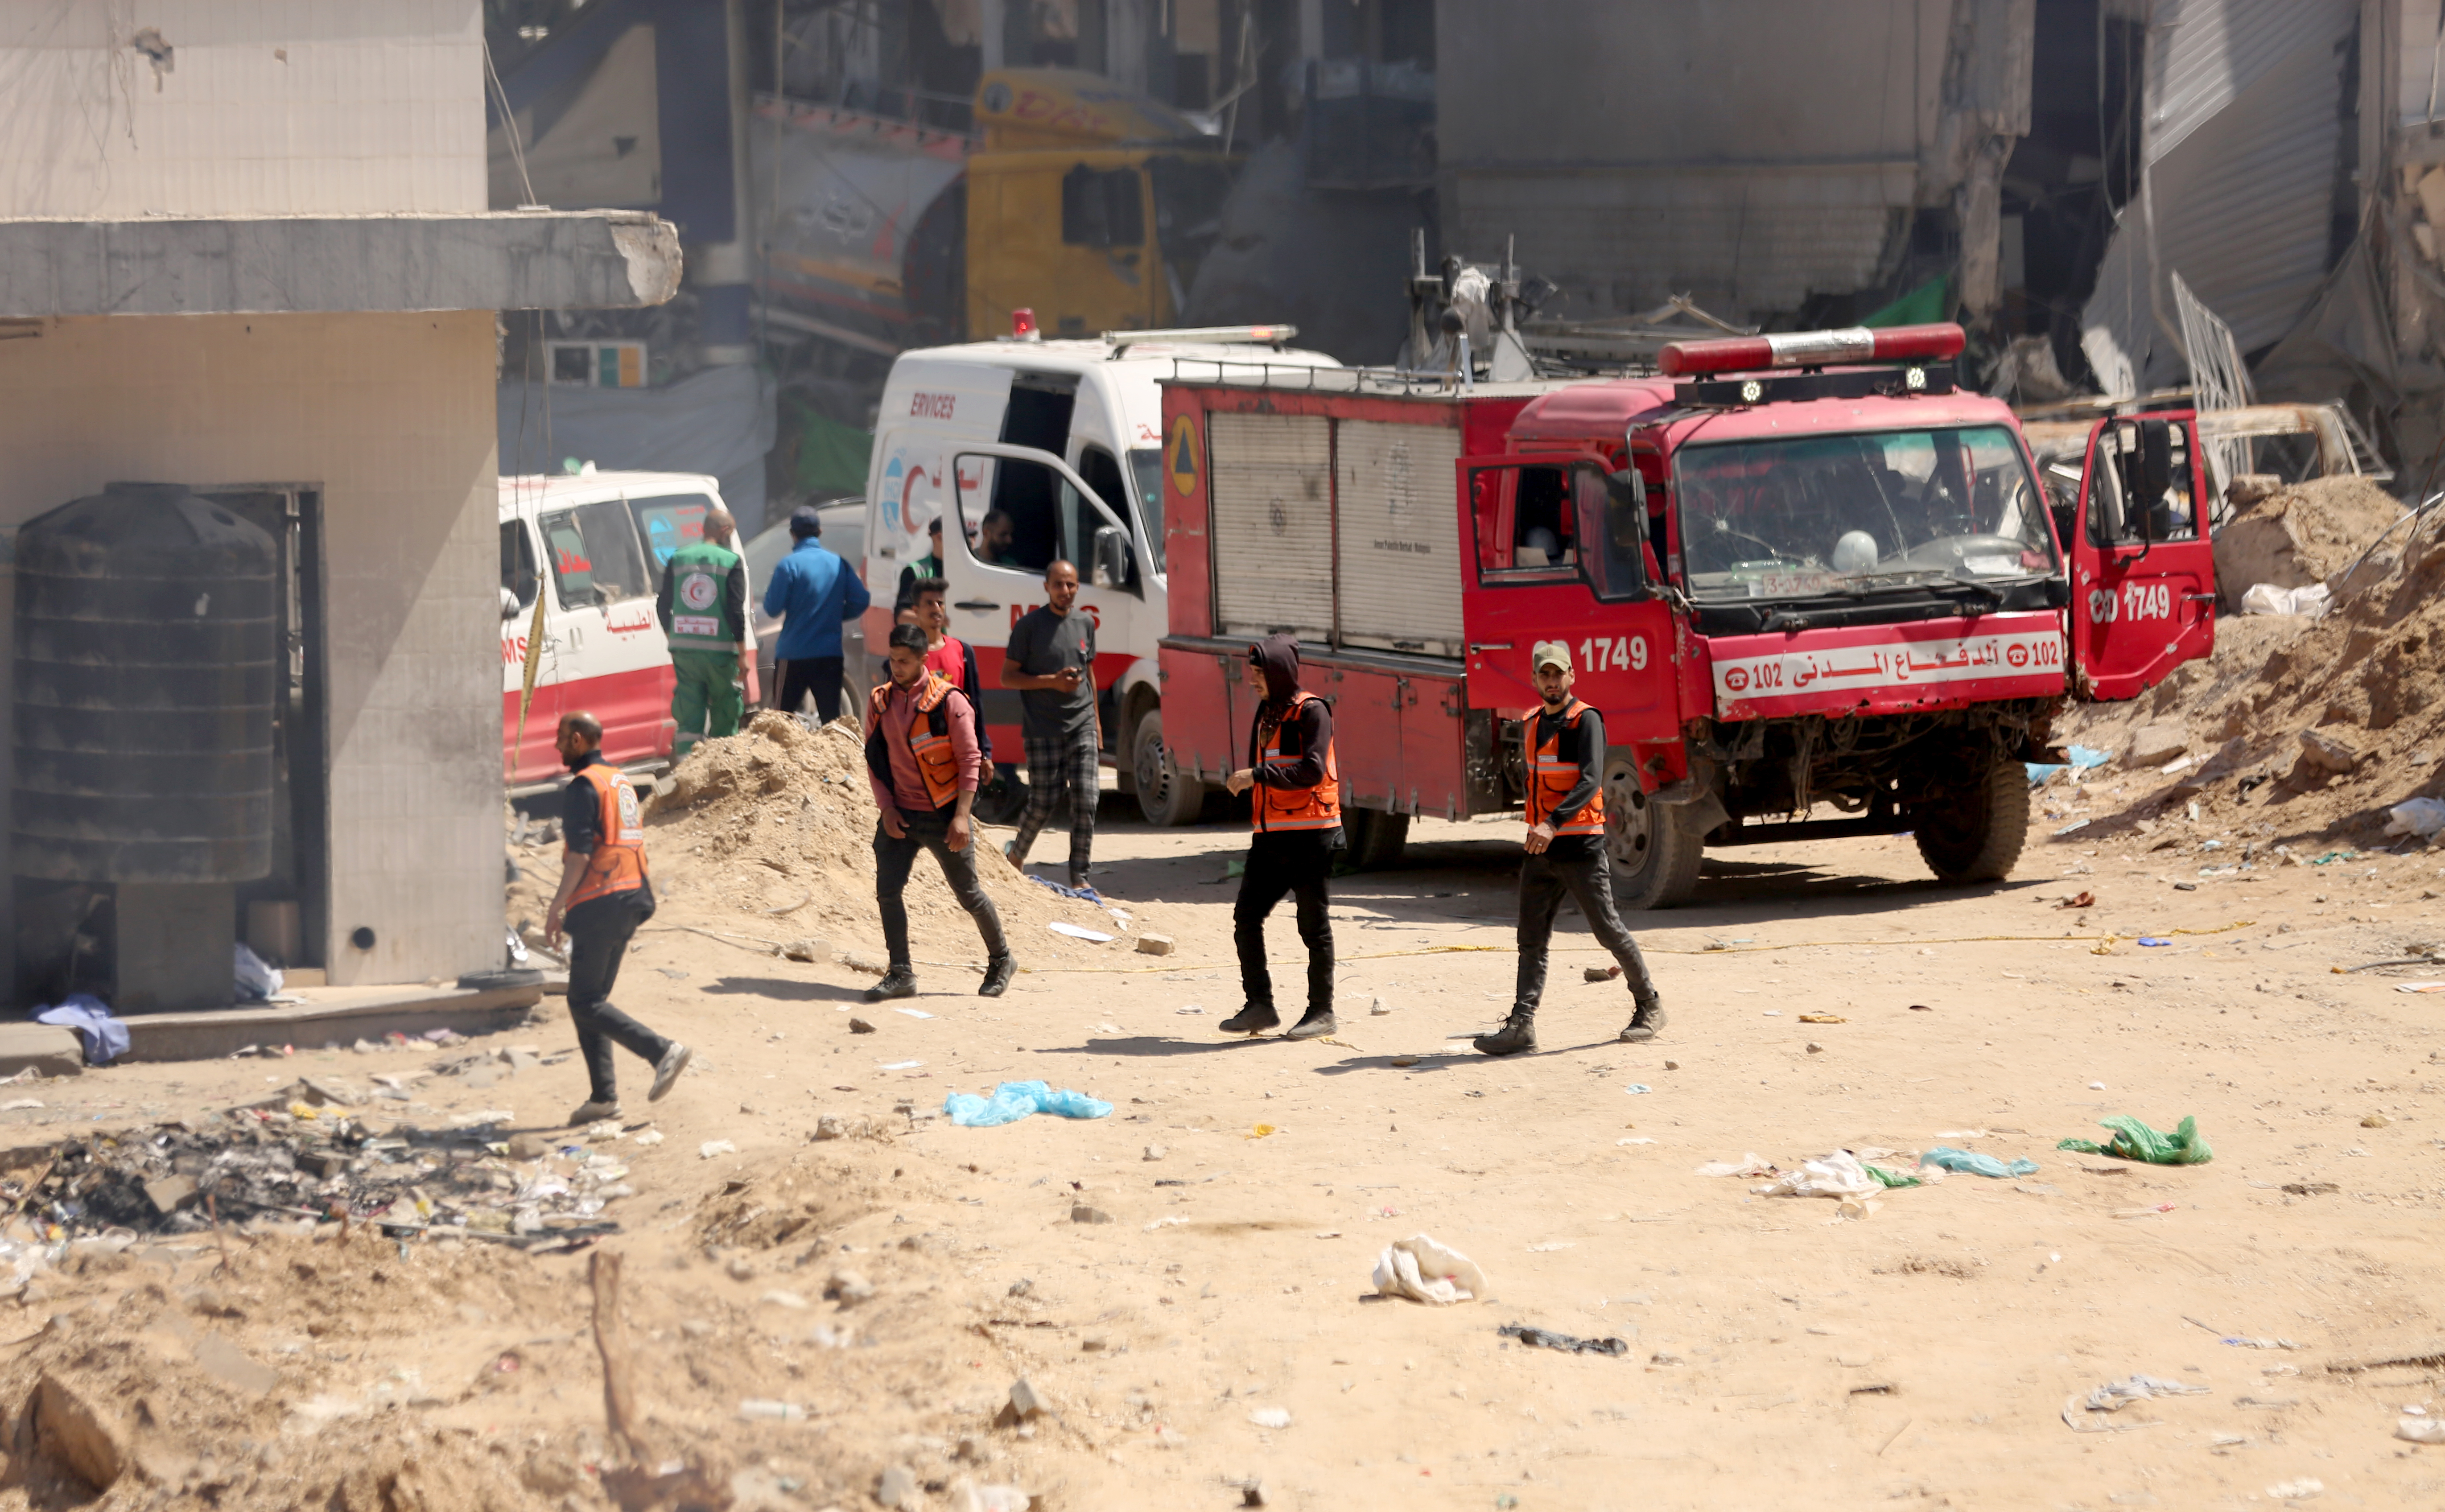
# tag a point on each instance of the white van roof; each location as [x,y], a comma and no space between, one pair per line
[576,488]
[1079,356]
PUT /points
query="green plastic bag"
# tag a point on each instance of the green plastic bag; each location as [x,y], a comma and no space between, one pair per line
[1890,1178]
[2134,1140]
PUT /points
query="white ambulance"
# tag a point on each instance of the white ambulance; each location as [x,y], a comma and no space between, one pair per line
[593,545]
[1029,451]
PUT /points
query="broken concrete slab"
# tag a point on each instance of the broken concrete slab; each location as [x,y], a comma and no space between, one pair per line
[325,1015]
[45,1048]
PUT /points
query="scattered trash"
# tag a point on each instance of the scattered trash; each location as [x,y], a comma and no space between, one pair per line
[1839,1174]
[1920,1008]
[775,1412]
[2300,1491]
[1423,1270]
[1063,926]
[1749,1164]
[2081,900]
[913,1012]
[1015,1100]
[2095,1086]
[1188,1008]
[2266,598]
[2420,1430]
[1636,1139]
[2424,817]
[1823,1018]
[19,1103]
[2086,757]
[1637,1089]
[650,1136]
[1549,1246]
[1538,1338]
[713,1147]
[1258,1132]
[2419,986]
[2076,824]
[2134,1140]
[256,980]
[2116,1395]
[2143,1212]
[2155,940]
[900,1065]
[1976,1164]
[1271,1417]
[1600,973]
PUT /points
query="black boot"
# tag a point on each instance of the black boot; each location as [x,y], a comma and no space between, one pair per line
[998,970]
[1645,1020]
[899,982]
[1516,1035]
[1316,1023]
[1254,1020]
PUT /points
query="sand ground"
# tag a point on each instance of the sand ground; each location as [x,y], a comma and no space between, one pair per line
[1918,1357]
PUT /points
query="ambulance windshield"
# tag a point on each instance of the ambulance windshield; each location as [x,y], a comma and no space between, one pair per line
[1836,515]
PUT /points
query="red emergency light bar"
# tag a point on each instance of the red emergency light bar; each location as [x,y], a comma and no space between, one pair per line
[1812,349]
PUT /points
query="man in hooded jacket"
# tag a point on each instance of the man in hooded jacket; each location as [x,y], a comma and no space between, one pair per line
[1295,808]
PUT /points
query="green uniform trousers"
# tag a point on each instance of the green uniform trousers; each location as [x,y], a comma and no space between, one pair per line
[708,700]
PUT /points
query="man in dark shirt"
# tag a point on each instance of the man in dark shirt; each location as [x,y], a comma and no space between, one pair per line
[1296,811]
[928,565]
[1566,750]
[1051,660]
[605,894]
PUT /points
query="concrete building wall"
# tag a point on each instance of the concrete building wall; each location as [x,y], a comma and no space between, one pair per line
[239,107]
[391,417]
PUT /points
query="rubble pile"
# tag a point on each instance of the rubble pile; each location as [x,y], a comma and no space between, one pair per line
[302,1157]
[2301,534]
[2295,727]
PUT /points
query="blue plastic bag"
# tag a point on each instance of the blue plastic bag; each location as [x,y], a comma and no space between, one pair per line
[2083,756]
[1015,1100]
[1975,1164]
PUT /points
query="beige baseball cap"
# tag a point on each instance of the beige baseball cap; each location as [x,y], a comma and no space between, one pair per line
[1550,653]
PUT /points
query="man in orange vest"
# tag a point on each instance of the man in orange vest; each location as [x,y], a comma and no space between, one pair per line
[1295,812]
[921,757]
[1565,750]
[605,894]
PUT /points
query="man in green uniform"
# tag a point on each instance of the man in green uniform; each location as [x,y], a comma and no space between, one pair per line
[703,609]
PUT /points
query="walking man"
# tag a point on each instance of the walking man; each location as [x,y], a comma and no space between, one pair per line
[921,757]
[1296,814]
[1565,750]
[1051,660]
[704,608]
[950,655]
[605,894]
[814,593]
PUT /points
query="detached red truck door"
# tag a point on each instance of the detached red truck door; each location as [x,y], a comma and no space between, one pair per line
[1528,567]
[2143,571]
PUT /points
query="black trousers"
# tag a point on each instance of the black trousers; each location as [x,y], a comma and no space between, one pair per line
[1576,866]
[801,676]
[893,859]
[1297,863]
[599,931]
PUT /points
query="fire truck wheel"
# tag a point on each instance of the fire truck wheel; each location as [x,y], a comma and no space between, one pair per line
[1377,838]
[1655,859]
[1977,834]
[1166,795]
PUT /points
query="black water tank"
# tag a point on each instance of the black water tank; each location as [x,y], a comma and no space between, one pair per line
[148,659]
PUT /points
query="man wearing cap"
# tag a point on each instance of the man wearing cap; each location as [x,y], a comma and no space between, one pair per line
[1564,747]
[704,608]
[1295,808]
[815,593]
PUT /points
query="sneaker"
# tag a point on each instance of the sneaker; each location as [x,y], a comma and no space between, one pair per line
[1516,1035]
[1254,1020]
[998,970]
[1317,1022]
[897,983]
[594,1112]
[1644,1022]
[666,1069]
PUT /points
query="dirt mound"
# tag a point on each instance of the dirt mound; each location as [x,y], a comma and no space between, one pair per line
[775,825]
[2301,534]
[2302,728]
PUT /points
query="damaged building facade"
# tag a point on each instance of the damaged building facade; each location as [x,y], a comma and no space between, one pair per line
[247,251]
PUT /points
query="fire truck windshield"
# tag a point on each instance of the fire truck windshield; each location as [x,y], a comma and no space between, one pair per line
[1832,515]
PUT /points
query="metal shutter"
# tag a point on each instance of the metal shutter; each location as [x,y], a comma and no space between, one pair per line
[1400,551]
[1273,524]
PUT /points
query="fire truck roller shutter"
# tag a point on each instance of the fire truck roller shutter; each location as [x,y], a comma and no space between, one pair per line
[1271,524]
[1400,565]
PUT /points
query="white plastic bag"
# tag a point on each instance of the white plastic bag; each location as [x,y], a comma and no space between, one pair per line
[1836,1175]
[257,978]
[1425,1270]
[2266,598]
[2420,816]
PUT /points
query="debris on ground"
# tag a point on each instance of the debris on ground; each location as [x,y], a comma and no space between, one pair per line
[2084,1414]
[1015,1100]
[1976,1164]
[2134,1140]
[1566,1343]
[1425,1270]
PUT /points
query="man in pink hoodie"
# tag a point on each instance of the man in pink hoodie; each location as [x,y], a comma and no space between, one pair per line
[921,757]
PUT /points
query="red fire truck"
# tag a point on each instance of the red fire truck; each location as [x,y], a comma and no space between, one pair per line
[1817,589]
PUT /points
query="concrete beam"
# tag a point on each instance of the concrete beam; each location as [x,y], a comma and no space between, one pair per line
[265,265]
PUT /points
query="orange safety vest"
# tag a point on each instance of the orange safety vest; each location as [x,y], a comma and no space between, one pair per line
[1551,779]
[1272,809]
[618,864]
[929,738]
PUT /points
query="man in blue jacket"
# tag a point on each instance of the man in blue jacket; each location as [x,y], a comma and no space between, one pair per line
[814,593]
